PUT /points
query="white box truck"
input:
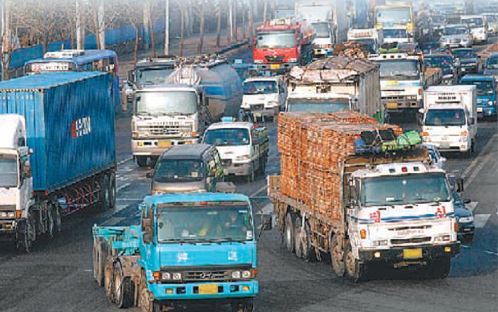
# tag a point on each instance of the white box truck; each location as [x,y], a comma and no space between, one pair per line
[450,118]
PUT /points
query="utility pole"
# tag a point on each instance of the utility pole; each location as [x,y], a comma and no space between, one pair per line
[230,19]
[80,29]
[166,28]
[6,39]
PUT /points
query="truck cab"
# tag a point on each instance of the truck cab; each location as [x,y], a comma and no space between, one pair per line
[166,115]
[402,213]
[243,147]
[324,39]
[486,94]
[478,27]
[15,174]
[264,96]
[402,81]
[188,247]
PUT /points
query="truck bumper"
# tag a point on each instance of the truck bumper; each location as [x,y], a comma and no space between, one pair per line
[237,169]
[155,147]
[276,67]
[7,229]
[397,254]
[397,104]
[193,291]
[451,146]
[261,111]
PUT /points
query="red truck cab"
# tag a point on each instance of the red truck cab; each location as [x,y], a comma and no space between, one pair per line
[282,43]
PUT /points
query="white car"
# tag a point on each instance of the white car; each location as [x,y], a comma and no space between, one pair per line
[437,160]
[264,96]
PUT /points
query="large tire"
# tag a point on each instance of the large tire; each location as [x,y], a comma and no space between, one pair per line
[54,220]
[112,191]
[142,161]
[25,235]
[145,302]
[337,255]
[354,269]
[100,258]
[289,233]
[243,305]
[439,268]
[123,288]
[105,196]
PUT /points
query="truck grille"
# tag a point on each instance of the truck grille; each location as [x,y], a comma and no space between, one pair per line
[274,58]
[417,240]
[166,130]
[258,107]
[202,276]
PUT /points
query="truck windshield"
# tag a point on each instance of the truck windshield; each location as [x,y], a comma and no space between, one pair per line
[464,53]
[322,30]
[483,87]
[273,40]
[457,30]
[394,33]
[394,16]
[152,76]
[318,106]
[8,171]
[492,18]
[399,69]
[178,170]
[204,224]
[166,103]
[473,22]
[227,137]
[404,190]
[260,87]
[445,117]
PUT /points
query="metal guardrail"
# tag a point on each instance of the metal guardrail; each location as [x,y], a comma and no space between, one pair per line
[232,47]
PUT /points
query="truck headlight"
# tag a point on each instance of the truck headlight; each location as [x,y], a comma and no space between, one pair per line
[243,157]
[246,274]
[166,276]
[466,219]
[236,274]
[442,238]
[8,214]
[177,276]
[378,243]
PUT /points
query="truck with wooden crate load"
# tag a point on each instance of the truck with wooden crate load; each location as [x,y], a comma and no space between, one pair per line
[362,193]
[336,84]
[187,247]
[57,151]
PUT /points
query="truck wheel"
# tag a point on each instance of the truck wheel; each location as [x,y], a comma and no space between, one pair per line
[289,233]
[243,305]
[54,219]
[105,196]
[337,256]
[109,282]
[25,235]
[123,288]
[354,269]
[142,161]
[439,268]
[145,301]
[97,269]
[112,191]
[100,261]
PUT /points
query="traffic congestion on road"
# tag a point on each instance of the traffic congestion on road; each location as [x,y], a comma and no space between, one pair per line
[332,156]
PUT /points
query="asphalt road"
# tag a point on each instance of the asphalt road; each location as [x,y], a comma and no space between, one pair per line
[57,275]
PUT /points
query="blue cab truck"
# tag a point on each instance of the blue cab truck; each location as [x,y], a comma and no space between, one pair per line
[187,247]
[57,151]
[486,94]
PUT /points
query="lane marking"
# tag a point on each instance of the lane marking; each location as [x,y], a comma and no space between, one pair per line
[489,252]
[114,221]
[261,189]
[480,220]
[485,153]
[472,205]
[119,189]
[124,161]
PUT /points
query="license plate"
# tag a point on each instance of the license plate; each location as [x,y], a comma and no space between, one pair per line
[274,66]
[208,289]
[392,105]
[164,144]
[444,145]
[415,253]
[479,109]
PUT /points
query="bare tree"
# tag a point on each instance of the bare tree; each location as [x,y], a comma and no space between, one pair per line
[7,47]
[101,15]
[200,10]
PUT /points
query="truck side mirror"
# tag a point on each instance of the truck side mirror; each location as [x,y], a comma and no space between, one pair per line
[147,230]
[459,185]
[21,141]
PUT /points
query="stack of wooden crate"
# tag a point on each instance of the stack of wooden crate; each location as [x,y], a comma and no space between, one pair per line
[313,148]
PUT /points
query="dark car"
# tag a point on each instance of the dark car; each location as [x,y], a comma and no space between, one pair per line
[446,62]
[464,218]
[491,66]
[468,59]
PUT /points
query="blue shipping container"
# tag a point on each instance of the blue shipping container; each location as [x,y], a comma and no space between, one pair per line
[69,121]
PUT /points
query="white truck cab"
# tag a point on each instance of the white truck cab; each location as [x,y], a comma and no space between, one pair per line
[242,146]
[450,117]
[478,27]
[264,96]
[16,184]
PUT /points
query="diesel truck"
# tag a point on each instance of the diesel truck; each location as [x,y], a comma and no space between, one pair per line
[57,151]
[187,247]
[342,193]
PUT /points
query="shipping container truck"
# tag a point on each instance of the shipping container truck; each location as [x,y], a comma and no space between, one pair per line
[281,44]
[196,93]
[449,119]
[57,151]
[187,248]
[336,84]
[362,194]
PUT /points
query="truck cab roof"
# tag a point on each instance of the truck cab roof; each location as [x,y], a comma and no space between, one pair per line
[273,78]
[166,87]
[186,151]
[231,125]
[397,169]
[194,198]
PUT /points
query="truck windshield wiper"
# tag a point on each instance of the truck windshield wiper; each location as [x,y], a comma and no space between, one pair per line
[180,241]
